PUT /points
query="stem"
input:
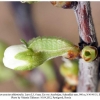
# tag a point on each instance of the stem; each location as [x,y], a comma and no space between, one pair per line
[23,18]
[88,71]
[88,76]
[85,23]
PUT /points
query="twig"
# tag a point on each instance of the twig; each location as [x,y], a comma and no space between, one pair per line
[23,18]
[88,72]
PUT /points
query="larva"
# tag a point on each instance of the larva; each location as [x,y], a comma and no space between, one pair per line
[38,50]
[53,46]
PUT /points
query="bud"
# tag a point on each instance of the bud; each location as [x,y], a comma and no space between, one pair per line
[89,53]
[64,4]
[17,56]
[61,3]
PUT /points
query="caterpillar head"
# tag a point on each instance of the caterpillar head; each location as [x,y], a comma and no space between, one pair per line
[73,53]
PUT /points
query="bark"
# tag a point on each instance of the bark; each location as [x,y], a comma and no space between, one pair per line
[88,76]
[88,72]
[85,22]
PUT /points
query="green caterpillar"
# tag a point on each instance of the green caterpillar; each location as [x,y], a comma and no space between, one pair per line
[53,46]
[40,49]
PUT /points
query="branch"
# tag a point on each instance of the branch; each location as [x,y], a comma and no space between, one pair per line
[85,22]
[88,71]
[23,19]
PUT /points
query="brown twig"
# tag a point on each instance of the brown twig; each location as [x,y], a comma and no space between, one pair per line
[85,22]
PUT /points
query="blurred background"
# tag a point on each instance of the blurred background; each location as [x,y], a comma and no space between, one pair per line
[19,20]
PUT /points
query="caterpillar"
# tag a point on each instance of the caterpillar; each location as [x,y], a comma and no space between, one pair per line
[41,49]
[54,46]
